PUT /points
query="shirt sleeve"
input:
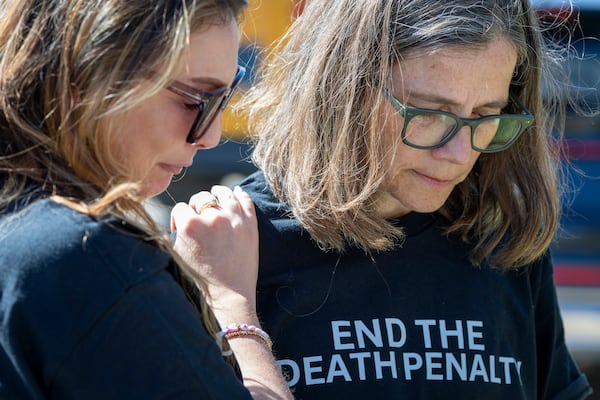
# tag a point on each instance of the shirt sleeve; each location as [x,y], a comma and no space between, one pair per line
[150,344]
[559,377]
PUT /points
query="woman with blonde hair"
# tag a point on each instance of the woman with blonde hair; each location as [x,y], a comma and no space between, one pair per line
[101,103]
[408,193]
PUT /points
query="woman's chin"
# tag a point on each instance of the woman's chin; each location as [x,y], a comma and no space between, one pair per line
[154,188]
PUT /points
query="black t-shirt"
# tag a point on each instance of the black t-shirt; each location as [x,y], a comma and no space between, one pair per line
[418,321]
[90,311]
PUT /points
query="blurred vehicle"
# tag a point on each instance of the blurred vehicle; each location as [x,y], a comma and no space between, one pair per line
[577,246]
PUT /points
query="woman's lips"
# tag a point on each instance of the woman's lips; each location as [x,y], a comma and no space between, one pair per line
[434,181]
[172,169]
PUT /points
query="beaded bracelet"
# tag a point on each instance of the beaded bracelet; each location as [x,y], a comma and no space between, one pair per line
[233,331]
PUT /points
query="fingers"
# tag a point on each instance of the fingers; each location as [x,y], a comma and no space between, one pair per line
[204,200]
[224,199]
[220,242]
[200,204]
[246,202]
[181,212]
[221,200]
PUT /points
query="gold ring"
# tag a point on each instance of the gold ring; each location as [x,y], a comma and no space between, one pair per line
[214,202]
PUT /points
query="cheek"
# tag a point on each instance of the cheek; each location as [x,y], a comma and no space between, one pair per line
[157,122]
[471,164]
[398,157]
[139,142]
[398,172]
[137,154]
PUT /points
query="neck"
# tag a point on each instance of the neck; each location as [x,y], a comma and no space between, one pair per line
[389,207]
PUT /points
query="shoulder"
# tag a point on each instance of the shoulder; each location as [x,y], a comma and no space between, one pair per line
[274,216]
[50,236]
[62,272]
[259,189]
[58,262]
[85,302]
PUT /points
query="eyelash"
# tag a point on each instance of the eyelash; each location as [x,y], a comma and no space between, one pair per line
[191,106]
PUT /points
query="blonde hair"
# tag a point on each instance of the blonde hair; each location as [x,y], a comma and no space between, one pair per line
[314,111]
[69,70]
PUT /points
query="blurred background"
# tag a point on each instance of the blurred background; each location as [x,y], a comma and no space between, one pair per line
[576,249]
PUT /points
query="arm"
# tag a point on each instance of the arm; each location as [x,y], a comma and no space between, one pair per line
[149,344]
[221,243]
[559,376]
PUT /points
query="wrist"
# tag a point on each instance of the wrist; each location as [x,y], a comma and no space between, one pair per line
[234,309]
[243,331]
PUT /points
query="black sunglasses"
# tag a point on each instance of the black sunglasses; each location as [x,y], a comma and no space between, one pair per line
[208,103]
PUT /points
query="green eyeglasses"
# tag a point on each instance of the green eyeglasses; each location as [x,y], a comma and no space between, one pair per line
[426,129]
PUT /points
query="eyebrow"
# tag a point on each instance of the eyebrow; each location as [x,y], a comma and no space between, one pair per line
[437,99]
[211,81]
[186,90]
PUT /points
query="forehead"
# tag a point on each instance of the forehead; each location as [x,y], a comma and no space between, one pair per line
[458,72]
[212,53]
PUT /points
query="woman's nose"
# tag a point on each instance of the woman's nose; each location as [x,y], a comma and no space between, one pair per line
[458,150]
[212,136]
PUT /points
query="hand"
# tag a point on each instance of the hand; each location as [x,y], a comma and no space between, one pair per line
[220,241]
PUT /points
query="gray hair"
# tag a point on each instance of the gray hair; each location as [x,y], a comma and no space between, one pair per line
[319,135]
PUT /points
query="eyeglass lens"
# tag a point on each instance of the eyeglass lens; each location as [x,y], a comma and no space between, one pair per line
[432,129]
[210,105]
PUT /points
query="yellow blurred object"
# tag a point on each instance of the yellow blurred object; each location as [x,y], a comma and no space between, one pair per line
[266,20]
[263,23]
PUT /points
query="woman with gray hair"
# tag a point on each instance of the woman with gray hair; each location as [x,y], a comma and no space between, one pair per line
[408,194]
[101,103]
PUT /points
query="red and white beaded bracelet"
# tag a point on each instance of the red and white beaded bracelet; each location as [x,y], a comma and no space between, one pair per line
[234,331]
